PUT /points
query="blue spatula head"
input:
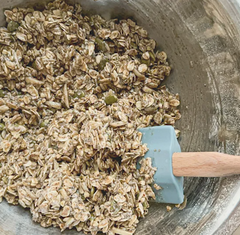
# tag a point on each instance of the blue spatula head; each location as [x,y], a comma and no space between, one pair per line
[162,143]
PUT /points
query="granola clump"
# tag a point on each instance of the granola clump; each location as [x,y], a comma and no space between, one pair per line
[73,92]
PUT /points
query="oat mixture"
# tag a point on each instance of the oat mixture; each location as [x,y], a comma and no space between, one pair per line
[74,89]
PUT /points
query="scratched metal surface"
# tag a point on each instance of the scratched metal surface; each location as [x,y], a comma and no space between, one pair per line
[201,39]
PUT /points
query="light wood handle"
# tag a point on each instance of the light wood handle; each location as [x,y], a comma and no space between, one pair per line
[205,164]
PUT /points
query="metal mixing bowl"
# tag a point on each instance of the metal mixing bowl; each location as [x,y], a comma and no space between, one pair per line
[202,40]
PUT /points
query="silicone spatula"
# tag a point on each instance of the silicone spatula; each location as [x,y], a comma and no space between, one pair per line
[172,164]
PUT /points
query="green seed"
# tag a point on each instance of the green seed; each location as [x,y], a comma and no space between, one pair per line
[110,99]
[145,205]
[43,124]
[151,109]
[2,93]
[38,45]
[12,26]
[79,94]
[152,56]
[102,64]
[134,45]
[92,191]
[2,126]
[147,62]
[98,40]
[100,45]
[33,65]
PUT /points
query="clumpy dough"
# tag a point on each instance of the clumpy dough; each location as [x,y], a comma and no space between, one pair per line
[73,92]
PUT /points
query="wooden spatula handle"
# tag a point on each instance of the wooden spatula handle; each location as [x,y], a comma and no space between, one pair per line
[205,164]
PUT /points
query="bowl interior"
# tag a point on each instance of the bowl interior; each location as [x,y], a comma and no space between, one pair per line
[201,41]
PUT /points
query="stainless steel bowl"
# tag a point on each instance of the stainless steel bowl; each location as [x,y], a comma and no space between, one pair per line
[202,40]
